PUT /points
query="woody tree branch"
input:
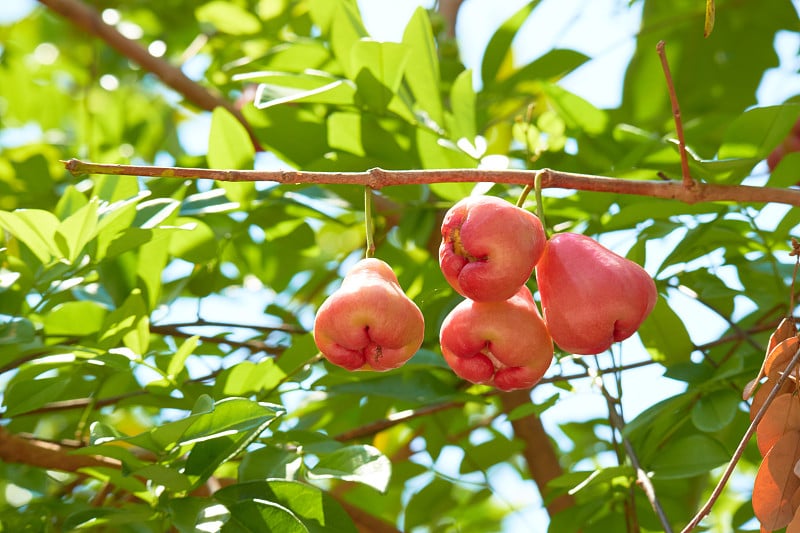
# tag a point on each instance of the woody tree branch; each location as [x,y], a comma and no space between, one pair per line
[88,19]
[377,178]
[539,452]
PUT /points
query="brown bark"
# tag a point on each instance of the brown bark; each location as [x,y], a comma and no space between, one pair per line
[539,452]
[49,455]
[449,10]
[377,178]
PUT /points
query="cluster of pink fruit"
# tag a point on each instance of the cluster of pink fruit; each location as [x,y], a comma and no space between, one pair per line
[591,298]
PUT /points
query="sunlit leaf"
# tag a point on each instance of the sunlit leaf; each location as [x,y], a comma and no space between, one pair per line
[75,319]
[34,228]
[316,510]
[77,230]
[500,43]
[422,73]
[228,18]
[361,463]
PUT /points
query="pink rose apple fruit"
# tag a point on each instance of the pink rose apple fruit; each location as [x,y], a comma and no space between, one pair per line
[591,297]
[369,323]
[489,247]
[504,344]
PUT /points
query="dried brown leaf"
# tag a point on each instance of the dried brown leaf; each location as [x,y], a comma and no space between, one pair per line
[794,525]
[776,483]
[782,416]
[779,357]
[785,330]
[761,394]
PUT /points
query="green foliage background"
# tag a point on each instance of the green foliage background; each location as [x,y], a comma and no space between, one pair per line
[222,420]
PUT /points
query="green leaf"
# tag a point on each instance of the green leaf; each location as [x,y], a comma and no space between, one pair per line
[500,44]
[419,386]
[576,112]
[252,378]
[196,245]
[669,409]
[715,410]
[550,66]
[230,415]
[115,220]
[689,456]
[318,511]
[230,147]
[754,133]
[346,29]
[192,514]
[360,463]
[77,230]
[26,395]
[257,515]
[462,123]
[124,323]
[664,335]
[787,172]
[103,516]
[70,202]
[228,18]
[529,409]
[178,361]
[226,417]
[277,88]
[422,74]
[34,228]
[269,462]
[378,69]
[17,331]
[74,319]
[169,478]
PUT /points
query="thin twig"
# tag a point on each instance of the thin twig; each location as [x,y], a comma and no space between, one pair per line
[377,178]
[201,323]
[742,445]
[372,428]
[89,20]
[641,476]
[688,182]
[258,346]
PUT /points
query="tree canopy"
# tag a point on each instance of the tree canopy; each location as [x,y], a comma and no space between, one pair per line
[158,368]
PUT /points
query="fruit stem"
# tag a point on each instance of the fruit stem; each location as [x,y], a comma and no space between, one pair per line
[368,225]
[796,253]
[537,192]
[524,195]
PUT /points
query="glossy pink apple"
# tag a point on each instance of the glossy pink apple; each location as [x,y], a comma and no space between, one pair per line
[504,344]
[369,323]
[489,247]
[591,297]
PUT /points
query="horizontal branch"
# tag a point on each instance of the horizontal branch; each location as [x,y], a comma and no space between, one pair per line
[377,178]
[45,454]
